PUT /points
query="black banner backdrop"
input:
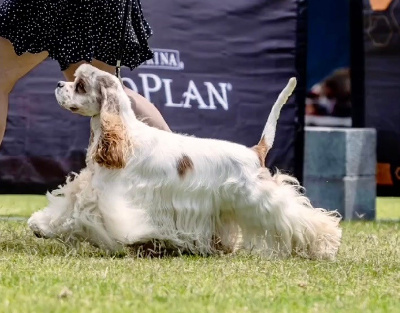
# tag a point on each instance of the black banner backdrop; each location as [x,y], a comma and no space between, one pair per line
[218,68]
[382,87]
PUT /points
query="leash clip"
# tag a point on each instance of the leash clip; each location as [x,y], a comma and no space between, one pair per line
[118,69]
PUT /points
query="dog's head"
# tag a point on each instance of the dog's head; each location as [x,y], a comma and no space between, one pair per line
[92,91]
[98,93]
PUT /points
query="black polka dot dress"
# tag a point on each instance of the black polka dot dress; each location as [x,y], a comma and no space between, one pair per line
[77,30]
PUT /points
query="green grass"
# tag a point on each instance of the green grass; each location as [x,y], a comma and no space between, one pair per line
[388,208]
[21,205]
[38,275]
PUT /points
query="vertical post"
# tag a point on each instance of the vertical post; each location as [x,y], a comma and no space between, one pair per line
[357,63]
[300,96]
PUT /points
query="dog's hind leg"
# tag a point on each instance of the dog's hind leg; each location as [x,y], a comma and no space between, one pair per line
[263,233]
[227,237]
[308,232]
[278,220]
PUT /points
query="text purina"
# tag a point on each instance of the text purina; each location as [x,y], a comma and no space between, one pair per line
[167,59]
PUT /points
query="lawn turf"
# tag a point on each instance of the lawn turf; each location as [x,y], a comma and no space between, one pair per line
[38,275]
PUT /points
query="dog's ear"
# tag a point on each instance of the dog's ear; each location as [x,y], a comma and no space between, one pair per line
[112,147]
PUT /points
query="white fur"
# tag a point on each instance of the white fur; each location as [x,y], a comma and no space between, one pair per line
[227,201]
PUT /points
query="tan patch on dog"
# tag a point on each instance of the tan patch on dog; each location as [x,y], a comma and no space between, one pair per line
[261,149]
[113,145]
[184,165]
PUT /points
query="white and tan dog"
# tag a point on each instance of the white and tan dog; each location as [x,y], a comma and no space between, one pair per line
[201,196]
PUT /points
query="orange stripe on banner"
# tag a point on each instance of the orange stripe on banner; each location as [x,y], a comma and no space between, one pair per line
[380,5]
[383,176]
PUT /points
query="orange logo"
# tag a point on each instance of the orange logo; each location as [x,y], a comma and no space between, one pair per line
[380,5]
[383,174]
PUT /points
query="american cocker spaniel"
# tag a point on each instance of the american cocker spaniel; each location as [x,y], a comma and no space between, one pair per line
[200,196]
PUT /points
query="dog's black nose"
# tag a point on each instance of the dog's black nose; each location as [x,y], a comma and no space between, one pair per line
[60,84]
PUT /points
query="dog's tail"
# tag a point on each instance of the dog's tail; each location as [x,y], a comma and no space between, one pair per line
[268,134]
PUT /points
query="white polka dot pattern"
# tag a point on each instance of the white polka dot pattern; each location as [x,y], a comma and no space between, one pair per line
[76,30]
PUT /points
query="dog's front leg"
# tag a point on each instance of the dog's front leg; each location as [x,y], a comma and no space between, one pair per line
[54,219]
[123,221]
[47,223]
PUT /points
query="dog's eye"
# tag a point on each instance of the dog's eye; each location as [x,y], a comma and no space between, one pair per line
[80,87]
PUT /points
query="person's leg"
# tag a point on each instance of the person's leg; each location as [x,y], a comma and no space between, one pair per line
[12,68]
[143,109]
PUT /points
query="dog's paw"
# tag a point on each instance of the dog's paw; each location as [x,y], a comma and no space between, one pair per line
[39,223]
